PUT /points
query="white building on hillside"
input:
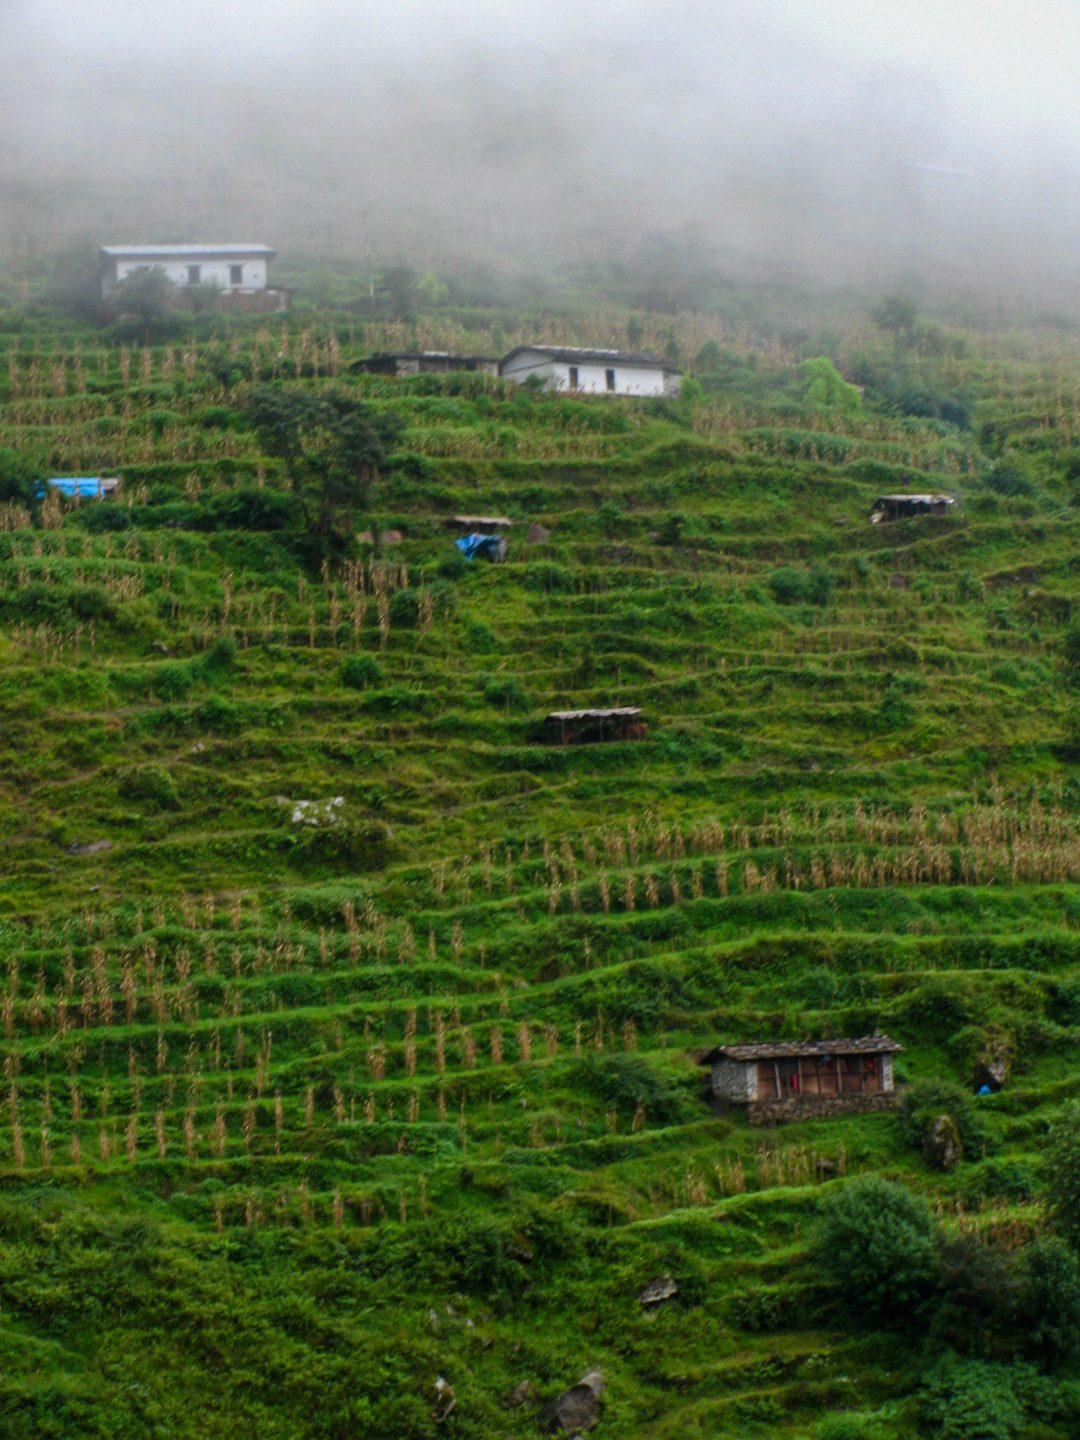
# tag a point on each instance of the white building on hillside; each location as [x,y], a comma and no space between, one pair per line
[594,372]
[238,271]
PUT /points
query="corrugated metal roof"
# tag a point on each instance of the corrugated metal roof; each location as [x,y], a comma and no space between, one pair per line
[574,352]
[117,251]
[915,499]
[621,712]
[782,1049]
[502,521]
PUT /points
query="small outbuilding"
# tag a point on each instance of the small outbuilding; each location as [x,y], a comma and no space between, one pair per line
[591,727]
[480,522]
[788,1080]
[907,507]
[422,362]
[574,369]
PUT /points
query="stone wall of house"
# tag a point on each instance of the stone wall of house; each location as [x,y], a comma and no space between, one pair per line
[815,1107]
[886,1072]
[735,1080]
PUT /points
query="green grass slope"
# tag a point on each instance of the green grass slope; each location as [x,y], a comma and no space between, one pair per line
[299,1116]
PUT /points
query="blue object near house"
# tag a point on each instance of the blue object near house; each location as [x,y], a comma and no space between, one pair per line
[80,487]
[491,547]
[984,1090]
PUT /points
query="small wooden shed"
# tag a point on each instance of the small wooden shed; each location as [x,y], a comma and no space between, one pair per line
[906,507]
[781,1079]
[590,727]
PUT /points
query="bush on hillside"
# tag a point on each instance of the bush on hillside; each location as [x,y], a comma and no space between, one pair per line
[1050,1302]
[150,786]
[18,478]
[252,509]
[624,1081]
[803,587]
[1061,1164]
[360,671]
[505,692]
[923,1105]
[979,1400]
[980,1295]
[875,1242]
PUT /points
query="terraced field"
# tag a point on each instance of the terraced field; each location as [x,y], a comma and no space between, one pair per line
[351,1028]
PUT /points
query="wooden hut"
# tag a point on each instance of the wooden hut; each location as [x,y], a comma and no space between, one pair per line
[787,1079]
[907,507]
[591,727]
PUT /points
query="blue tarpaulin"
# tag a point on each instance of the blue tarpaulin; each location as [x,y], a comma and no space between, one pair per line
[492,547]
[85,487]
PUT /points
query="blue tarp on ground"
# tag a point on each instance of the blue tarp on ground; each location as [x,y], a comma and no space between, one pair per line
[86,487]
[493,547]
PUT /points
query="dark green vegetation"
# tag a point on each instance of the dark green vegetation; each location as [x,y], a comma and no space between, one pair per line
[350,1029]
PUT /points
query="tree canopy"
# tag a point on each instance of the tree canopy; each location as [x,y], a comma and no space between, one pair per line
[332,446]
[145,294]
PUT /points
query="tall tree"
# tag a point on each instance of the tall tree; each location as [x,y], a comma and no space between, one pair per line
[145,294]
[332,446]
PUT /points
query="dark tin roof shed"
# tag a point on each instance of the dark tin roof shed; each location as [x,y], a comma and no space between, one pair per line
[790,1049]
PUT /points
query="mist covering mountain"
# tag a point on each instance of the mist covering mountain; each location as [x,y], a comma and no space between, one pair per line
[937,148]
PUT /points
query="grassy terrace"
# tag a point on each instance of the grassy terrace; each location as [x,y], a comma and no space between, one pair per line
[299,1116]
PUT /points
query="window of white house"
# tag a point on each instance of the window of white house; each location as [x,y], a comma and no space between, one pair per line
[193,273]
[236,274]
[609,376]
[573,377]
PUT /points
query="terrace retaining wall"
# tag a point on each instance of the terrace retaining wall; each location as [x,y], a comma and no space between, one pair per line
[817,1107]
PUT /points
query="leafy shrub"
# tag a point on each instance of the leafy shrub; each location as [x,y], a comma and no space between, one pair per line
[360,671]
[825,387]
[1062,1171]
[1050,1301]
[395,700]
[219,717]
[843,1425]
[875,1242]
[151,786]
[980,1289]
[406,605]
[18,478]
[807,587]
[506,693]
[1008,476]
[219,657]
[979,1400]
[353,846]
[922,1105]
[252,509]
[172,680]
[763,1311]
[624,1081]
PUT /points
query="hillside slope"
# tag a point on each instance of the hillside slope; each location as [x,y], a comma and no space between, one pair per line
[301,1116]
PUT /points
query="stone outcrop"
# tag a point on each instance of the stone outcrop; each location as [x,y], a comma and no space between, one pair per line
[993,1063]
[579,1407]
[941,1144]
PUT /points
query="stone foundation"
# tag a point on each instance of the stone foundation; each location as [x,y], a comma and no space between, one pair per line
[818,1107]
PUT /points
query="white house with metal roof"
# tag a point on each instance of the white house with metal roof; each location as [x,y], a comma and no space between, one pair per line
[592,372]
[238,271]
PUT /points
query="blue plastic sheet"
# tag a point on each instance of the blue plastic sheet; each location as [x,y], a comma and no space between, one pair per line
[473,545]
[86,487]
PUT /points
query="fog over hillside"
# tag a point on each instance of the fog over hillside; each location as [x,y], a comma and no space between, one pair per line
[934,144]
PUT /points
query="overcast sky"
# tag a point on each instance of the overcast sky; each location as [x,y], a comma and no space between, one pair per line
[858,140]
